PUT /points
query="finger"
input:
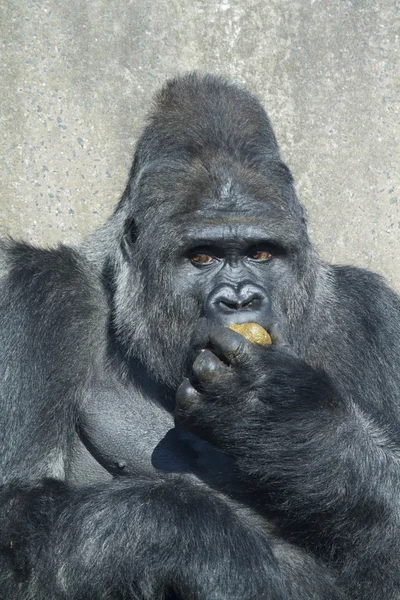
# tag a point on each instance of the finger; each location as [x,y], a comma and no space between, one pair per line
[228,344]
[208,367]
[186,395]
[277,335]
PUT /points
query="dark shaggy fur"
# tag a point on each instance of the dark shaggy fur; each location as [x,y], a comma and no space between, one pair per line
[269,472]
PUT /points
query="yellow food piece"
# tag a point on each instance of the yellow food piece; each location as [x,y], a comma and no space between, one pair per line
[252,332]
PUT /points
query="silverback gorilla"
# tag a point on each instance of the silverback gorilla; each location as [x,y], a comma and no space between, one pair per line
[148,452]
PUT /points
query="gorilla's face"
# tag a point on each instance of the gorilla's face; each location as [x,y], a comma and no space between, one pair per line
[226,250]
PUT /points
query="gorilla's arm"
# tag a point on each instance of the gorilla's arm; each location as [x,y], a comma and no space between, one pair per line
[322,458]
[142,537]
[134,537]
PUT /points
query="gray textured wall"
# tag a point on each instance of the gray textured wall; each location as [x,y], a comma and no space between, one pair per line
[77,76]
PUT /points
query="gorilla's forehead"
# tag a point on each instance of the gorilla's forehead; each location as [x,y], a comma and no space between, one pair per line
[222,225]
[221,185]
[178,230]
[217,198]
[232,213]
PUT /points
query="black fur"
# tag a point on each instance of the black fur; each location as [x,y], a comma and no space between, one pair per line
[269,472]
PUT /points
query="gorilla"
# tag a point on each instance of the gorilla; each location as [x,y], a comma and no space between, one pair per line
[149,452]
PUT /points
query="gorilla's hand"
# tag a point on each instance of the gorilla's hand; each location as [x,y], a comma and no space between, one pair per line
[235,382]
[263,406]
[227,382]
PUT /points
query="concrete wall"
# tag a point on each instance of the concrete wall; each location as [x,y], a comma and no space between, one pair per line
[77,77]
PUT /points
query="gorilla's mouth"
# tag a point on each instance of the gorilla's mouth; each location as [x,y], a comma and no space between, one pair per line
[200,337]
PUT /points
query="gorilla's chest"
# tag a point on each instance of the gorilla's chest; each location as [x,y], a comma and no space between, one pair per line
[122,433]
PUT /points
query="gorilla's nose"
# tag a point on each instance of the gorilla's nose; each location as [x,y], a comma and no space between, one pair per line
[247,302]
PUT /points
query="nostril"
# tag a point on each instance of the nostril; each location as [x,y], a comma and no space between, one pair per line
[247,303]
[254,302]
[230,305]
[250,303]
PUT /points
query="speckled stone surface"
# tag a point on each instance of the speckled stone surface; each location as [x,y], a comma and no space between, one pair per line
[77,77]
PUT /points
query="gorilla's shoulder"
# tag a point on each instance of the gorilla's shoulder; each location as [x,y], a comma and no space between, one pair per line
[364,291]
[47,280]
[34,264]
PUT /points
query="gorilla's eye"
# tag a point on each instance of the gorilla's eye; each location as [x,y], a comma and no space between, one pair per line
[260,255]
[201,259]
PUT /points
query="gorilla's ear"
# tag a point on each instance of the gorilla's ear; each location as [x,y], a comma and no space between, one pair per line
[130,236]
[130,231]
